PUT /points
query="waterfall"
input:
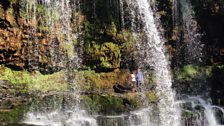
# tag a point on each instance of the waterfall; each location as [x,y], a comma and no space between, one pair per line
[51,19]
[56,23]
[190,41]
[199,112]
[143,117]
[59,118]
[152,53]
[196,111]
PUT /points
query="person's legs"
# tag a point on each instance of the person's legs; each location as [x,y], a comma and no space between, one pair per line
[138,85]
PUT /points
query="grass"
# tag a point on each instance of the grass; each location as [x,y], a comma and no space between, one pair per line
[34,81]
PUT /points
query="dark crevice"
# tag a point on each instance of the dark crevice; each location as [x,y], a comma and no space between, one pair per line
[16,9]
[4,24]
[5,4]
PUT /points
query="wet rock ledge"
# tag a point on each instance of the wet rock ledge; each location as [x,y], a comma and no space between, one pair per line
[10,96]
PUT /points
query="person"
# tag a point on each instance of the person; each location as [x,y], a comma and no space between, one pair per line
[139,79]
[133,79]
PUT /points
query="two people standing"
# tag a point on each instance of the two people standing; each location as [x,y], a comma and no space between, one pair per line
[137,81]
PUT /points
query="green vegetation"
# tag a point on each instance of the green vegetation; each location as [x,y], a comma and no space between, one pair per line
[12,116]
[34,81]
[111,104]
[152,96]
[101,47]
[92,81]
[104,104]
[188,72]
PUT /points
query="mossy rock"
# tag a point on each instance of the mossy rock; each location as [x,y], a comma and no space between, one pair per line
[2,13]
[25,81]
[90,81]
[104,56]
[109,104]
[12,116]
[110,56]
[190,72]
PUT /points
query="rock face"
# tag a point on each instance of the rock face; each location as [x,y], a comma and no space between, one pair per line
[10,36]
[217,86]
[210,17]
[21,49]
[10,96]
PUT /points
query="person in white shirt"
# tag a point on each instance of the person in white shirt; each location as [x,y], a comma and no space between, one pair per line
[133,79]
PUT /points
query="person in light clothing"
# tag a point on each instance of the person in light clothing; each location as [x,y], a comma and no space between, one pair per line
[140,79]
[133,79]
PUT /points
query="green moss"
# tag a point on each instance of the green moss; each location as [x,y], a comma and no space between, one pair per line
[111,30]
[35,81]
[70,49]
[105,64]
[103,104]
[109,104]
[42,18]
[187,114]
[208,71]
[15,77]
[13,1]
[188,72]
[43,28]
[152,96]
[12,116]
[103,82]
[110,56]
[134,100]
[103,56]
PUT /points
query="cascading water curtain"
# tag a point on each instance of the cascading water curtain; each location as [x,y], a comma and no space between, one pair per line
[183,16]
[152,53]
[202,112]
[53,18]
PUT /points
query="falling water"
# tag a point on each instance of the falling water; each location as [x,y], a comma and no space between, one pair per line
[141,117]
[57,18]
[122,13]
[198,112]
[184,15]
[153,54]
[59,118]
[52,18]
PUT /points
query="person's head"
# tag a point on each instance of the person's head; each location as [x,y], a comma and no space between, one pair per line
[139,66]
[131,72]
[139,69]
